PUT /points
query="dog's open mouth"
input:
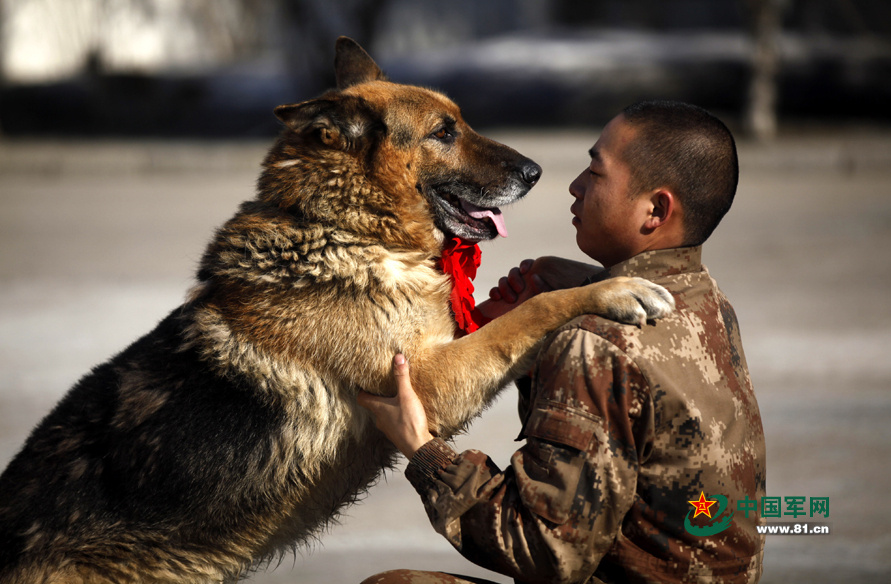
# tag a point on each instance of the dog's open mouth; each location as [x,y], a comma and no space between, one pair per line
[492,214]
[467,220]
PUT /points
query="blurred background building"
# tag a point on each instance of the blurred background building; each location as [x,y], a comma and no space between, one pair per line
[217,67]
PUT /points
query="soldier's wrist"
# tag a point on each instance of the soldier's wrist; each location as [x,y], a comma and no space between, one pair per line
[424,465]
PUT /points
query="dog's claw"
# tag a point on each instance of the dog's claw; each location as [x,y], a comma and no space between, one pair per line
[636,301]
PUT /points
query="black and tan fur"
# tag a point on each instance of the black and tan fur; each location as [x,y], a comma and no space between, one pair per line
[231,433]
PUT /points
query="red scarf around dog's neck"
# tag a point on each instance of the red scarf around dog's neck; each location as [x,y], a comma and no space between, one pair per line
[459,261]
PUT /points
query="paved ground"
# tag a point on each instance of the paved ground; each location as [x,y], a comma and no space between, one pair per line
[99,241]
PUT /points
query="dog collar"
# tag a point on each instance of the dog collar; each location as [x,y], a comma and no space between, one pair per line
[459,261]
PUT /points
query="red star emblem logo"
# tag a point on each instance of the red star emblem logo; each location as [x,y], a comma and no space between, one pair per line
[702,506]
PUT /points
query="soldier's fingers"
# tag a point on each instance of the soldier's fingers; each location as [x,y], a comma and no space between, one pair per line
[400,367]
[516,281]
[373,403]
[507,292]
[404,388]
[539,285]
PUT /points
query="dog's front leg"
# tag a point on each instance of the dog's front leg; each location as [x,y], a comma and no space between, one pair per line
[457,380]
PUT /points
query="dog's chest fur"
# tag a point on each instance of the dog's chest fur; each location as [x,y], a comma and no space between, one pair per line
[304,312]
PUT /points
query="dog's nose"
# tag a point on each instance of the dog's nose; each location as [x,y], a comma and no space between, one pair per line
[530,172]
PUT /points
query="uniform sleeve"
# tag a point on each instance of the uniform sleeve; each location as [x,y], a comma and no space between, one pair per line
[556,510]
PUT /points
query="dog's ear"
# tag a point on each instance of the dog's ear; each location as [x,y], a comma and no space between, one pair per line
[338,121]
[352,65]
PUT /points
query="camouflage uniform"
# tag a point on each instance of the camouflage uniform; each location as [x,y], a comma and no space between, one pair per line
[623,427]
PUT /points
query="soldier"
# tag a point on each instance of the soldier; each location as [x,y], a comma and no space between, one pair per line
[640,441]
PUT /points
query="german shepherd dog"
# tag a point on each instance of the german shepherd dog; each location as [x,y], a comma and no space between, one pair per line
[230,433]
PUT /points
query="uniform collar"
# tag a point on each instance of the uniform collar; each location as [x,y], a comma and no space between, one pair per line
[658,263]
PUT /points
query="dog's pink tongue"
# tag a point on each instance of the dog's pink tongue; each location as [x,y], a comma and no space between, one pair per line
[493,214]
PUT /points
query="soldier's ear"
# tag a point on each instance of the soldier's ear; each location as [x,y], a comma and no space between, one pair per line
[341,122]
[352,65]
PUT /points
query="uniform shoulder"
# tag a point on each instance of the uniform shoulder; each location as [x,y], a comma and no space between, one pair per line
[620,336]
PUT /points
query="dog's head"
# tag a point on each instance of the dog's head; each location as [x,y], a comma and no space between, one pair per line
[410,143]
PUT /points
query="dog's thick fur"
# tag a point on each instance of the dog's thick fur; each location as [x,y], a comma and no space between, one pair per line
[231,432]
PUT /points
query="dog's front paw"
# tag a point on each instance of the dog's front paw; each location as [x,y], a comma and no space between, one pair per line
[635,300]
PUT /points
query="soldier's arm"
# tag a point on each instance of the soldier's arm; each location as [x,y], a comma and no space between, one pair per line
[554,513]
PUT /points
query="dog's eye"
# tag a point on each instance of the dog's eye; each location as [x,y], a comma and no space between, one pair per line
[443,135]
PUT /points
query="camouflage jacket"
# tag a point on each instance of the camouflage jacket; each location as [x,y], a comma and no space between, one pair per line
[624,428]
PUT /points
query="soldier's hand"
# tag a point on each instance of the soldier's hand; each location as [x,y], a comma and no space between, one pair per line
[401,418]
[512,290]
[532,277]
[520,284]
